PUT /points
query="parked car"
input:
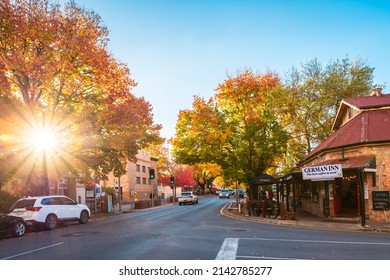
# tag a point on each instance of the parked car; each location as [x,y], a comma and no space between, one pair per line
[12,225]
[224,194]
[188,197]
[49,211]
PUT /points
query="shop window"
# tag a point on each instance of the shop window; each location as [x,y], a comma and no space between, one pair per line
[306,189]
[315,193]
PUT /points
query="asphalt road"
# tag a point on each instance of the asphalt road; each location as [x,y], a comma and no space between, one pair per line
[191,232]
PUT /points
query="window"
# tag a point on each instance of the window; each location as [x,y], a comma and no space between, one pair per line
[144,181]
[66,201]
[144,169]
[138,180]
[349,112]
[138,168]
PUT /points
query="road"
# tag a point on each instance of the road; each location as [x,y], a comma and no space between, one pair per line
[191,232]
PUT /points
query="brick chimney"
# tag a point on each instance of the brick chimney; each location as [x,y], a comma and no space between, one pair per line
[376,91]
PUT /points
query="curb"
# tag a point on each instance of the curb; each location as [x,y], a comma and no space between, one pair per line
[317,225]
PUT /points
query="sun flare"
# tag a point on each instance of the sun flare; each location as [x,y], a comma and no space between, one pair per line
[44,140]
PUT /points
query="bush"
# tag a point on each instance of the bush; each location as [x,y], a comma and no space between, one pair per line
[6,201]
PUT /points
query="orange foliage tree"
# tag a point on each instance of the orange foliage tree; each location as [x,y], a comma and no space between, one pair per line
[236,129]
[57,74]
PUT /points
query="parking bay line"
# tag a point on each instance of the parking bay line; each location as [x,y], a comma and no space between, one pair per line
[32,251]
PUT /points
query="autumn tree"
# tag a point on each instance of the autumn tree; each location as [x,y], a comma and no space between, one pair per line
[183,175]
[57,76]
[199,133]
[205,174]
[236,129]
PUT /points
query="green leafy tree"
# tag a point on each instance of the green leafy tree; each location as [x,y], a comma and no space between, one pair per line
[312,95]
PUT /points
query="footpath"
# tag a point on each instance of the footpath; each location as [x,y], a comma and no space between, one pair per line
[303,219]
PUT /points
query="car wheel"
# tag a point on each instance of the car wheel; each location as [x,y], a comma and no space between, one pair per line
[51,222]
[19,229]
[84,217]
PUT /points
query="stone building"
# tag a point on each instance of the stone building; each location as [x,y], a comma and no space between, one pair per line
[348,174]
[136,184]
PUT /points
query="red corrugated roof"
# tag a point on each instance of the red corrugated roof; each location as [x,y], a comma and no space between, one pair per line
[368,126]
[352,162]
[367,102]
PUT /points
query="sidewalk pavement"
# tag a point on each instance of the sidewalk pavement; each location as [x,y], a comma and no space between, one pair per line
[305,219]
[124,208]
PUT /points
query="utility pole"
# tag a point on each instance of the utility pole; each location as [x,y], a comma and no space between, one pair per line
[173,188]
[119,194]
[152,175]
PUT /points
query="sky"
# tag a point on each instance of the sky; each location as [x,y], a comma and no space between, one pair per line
[176,49]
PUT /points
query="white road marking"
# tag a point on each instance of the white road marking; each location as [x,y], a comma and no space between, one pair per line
[266,258]
[319,241]
[228,249]
[32,251]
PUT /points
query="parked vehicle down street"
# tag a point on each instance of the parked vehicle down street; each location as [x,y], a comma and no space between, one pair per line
[15,226]
[188,197]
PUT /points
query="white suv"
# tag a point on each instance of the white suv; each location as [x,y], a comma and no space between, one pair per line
[188,197]
[49,210]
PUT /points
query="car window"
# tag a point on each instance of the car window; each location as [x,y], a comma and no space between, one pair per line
[48,201]
[23,203]
[67,201]
[185,194]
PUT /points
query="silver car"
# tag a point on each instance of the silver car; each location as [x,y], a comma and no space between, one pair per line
[224,194]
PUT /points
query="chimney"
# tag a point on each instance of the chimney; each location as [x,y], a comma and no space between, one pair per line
[376,91]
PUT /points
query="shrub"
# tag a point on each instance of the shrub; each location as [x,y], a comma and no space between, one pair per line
[6,201]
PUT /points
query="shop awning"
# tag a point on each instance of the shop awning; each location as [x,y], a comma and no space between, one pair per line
[263,179]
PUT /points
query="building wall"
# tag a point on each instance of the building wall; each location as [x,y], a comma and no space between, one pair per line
[374,181]
[136,179]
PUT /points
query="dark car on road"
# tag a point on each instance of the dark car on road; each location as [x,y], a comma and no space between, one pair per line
[15,226]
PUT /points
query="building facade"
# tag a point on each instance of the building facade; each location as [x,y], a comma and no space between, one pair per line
[136,184]
[349,173]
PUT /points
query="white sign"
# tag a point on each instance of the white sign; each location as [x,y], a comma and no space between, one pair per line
[324,172]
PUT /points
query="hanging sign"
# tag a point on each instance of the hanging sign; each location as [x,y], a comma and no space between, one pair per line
[324,172]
